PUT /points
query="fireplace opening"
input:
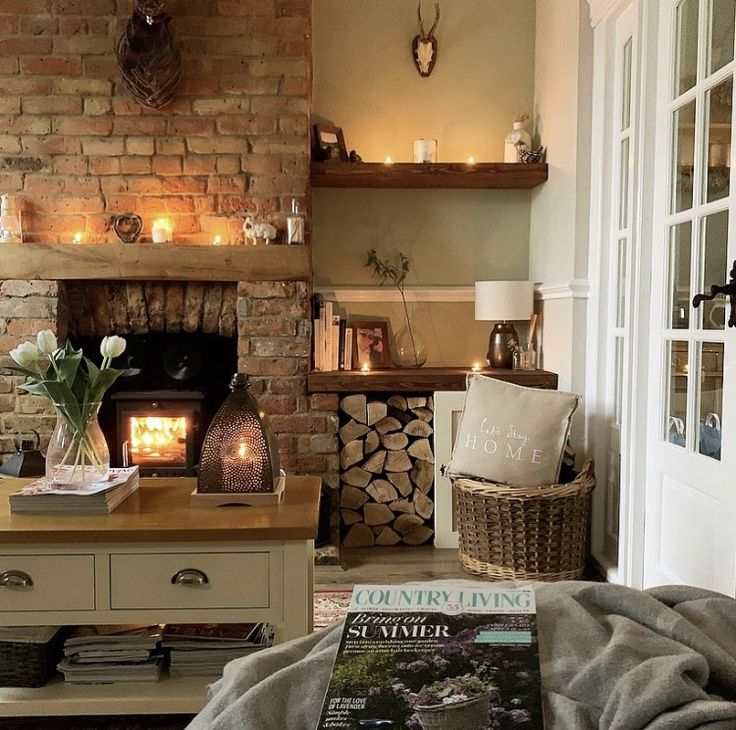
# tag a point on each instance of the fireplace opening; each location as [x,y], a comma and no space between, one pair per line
[157,418]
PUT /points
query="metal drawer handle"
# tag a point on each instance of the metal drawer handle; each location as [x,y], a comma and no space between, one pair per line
[190,577]
[15,579]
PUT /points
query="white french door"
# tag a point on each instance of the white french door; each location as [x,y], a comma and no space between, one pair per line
[613,269]
[690,512]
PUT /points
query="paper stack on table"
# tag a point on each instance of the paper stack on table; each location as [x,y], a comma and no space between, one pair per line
[99,498]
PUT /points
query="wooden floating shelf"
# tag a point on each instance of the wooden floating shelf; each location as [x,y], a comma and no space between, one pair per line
[419,380]
[459,175]
[155,262]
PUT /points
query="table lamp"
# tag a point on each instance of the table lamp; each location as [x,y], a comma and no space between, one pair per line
[500,301]
[239,462]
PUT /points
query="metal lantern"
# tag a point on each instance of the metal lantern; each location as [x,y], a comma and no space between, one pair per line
[239,454]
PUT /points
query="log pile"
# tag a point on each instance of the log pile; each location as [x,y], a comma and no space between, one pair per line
[386,470]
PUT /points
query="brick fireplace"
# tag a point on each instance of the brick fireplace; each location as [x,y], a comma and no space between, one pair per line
[76,150]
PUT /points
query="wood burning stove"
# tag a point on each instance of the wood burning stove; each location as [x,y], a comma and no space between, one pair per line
[159,431]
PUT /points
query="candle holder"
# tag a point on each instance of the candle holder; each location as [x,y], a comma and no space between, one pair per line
[239,462]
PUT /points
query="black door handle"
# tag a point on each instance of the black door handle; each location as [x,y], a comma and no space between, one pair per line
[728,290]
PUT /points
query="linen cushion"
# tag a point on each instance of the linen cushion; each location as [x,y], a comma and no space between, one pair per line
[511,434]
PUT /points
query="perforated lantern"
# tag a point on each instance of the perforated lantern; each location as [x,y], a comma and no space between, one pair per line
[239,454]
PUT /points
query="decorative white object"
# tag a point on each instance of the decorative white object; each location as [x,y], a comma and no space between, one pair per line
[295,224]
[162,231]
[10,228]
[425,150]
[259,233]
[517,140]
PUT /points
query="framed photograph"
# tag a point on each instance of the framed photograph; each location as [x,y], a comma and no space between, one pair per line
[330,143]
[370,345]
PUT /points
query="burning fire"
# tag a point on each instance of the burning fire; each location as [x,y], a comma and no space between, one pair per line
[158,439]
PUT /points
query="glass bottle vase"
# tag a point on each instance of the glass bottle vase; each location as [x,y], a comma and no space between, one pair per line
[409,349]
[77,454]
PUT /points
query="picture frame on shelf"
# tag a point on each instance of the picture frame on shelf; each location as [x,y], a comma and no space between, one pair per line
[370,345]
[329,143]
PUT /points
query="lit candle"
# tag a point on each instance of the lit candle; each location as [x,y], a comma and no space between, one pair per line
[78,237]
[365,368]
[388,160]
[476,367]
[162,231]
[217,241]
[471,160]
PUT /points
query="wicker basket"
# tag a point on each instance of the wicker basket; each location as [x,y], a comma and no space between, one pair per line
[529,533]
[468,715]
[29,664]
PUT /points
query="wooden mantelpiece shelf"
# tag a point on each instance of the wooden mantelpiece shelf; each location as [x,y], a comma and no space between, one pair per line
[458,175]
[418,380]
[155,262]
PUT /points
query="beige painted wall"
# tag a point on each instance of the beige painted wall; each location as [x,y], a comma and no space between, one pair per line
[365,82]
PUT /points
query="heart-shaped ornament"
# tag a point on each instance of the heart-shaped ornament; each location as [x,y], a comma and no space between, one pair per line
[127,227]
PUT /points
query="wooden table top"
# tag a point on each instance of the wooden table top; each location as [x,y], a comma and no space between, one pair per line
[159,512]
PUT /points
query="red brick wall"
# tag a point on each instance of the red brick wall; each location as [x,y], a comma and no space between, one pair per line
[77,148]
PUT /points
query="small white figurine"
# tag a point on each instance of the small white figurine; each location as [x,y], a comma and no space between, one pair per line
[259,233]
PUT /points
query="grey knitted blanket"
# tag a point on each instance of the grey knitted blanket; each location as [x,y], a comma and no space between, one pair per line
[611,658]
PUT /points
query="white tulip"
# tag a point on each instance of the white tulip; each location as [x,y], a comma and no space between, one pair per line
[26,354]
[47,343]
[112,346]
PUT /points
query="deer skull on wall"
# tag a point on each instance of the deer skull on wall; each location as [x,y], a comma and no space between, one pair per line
[424,45]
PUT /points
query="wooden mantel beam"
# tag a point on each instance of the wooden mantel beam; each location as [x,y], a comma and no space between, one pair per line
[155,262]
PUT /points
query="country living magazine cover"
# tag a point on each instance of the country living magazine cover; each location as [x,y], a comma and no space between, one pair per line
[437,657]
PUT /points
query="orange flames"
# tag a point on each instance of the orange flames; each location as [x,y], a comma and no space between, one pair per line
[157,439]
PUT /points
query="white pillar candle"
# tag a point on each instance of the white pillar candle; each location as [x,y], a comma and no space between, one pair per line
[162,231]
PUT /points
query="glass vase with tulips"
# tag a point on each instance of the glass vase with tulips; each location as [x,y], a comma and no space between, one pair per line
[78,454]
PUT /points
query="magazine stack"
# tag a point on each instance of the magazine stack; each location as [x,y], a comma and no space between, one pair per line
[432,657]
[107,654]
[97,498]
[205,649]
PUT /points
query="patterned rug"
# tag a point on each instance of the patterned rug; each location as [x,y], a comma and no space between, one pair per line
[330,607]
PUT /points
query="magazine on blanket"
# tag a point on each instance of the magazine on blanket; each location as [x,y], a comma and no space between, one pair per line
[426,656]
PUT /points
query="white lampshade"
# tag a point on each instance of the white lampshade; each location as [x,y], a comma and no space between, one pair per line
[503,300]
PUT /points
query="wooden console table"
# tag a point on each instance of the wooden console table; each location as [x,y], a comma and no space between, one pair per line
[120,569]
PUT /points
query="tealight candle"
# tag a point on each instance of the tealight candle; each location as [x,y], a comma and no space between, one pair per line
[365,368]
[476,367]
[471,160]
[78,237]
[217,241]
[388,160]
[162,231]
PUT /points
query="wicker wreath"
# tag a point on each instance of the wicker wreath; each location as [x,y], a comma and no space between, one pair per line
[148,56]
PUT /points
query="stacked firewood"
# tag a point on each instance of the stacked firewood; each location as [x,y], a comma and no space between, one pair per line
[386,470]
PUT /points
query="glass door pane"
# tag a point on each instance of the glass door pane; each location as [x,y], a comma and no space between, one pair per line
[679,278]
[714,267]
[710,399]
[682,165]
[676,412]
[722,21]
[687,46]
[719,104]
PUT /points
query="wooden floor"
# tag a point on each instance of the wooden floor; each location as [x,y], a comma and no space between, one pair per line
[389,565]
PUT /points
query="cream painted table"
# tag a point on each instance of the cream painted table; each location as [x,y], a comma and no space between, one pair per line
[155,559]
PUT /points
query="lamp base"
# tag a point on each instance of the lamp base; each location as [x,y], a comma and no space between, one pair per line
[501,345]
[253,499]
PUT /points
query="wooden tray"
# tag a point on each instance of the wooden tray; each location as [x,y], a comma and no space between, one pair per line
[223,499]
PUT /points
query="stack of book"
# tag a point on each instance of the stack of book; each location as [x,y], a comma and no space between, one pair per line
[333,340]
[107,654]
[205,649]
[100,498]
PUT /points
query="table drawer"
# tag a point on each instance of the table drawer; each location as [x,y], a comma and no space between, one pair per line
[56,582]
[189,580]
